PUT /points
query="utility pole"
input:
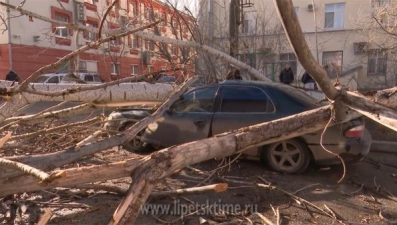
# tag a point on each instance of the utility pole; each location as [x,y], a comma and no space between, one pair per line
[234,22]
[235,17]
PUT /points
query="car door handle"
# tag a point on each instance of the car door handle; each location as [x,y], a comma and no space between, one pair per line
[199,122]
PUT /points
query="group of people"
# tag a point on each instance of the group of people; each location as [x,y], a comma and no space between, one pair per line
[287,77]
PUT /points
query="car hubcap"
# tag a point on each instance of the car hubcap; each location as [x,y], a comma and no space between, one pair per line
[286,156]
[136,141]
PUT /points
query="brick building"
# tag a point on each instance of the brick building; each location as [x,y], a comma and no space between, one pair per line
[27,44]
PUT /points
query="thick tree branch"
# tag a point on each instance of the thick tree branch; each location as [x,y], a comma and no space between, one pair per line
[26,169]
[49,130]
[295,36]
[171,159]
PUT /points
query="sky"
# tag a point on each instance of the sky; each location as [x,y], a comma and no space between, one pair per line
[192,5]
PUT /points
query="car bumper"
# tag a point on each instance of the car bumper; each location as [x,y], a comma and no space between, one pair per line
[352,150]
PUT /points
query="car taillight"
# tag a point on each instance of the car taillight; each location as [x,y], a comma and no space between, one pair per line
[354,132]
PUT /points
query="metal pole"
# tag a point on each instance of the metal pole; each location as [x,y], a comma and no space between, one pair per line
[315,29]
[233,27]
[76,46]
[9,37]
[234,22]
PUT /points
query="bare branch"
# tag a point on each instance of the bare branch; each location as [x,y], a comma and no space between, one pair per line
[26,169]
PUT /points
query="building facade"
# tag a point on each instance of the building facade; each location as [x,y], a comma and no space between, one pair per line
[27,44]
[340,33]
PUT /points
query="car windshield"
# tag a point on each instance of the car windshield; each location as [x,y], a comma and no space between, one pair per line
[40,79]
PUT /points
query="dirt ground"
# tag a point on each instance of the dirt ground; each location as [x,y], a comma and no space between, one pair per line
[365,196]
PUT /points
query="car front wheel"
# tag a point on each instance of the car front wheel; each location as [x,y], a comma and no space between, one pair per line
[135,144]
[289,156]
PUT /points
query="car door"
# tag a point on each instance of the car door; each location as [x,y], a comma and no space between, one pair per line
[189,119]
[242,106]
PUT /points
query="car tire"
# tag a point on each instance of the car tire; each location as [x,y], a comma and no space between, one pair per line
[135,145]
[288,156]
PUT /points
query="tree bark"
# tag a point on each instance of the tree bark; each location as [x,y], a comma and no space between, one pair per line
[220,187]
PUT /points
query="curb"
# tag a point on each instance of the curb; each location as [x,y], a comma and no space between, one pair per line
[384,146]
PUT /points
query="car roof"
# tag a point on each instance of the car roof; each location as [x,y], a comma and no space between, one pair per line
[64,74]
[53,74]
[252,83]
[276,89]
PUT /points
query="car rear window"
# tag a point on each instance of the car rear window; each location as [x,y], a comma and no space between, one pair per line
[299,96]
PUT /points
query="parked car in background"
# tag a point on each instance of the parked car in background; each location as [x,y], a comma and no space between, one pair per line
[166,79]
[210,110]
[55,78]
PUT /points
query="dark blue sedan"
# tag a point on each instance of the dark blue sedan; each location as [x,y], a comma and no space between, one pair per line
[206,111]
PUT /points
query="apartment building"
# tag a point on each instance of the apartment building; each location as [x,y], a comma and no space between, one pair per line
[27,44]
[340,33]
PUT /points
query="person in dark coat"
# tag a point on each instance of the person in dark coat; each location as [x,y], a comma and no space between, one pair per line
[308,81]
[12,76]
[287,75]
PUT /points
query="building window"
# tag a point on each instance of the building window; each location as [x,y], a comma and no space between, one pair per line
[115,42]
[377,62]
[134,70]
[164,18]
[334,15]
[135,42]
[289,58]
[150,69]
[92,36]
[249,23]
[62,31]
[379,3]
[174,22]
[115,68]
[133,9]
[149,14]
[163,68]
[333,63]
[150,45]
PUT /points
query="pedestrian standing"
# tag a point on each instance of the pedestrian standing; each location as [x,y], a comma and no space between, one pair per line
[287,75]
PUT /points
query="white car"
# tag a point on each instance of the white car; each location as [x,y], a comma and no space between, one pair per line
[55,78]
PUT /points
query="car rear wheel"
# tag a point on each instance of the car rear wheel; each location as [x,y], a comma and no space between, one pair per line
[135,144]
[289,156]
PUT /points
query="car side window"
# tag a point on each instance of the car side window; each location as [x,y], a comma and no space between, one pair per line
[244,99]
[97,78]
[89,78]
[200,100]
[53,80]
